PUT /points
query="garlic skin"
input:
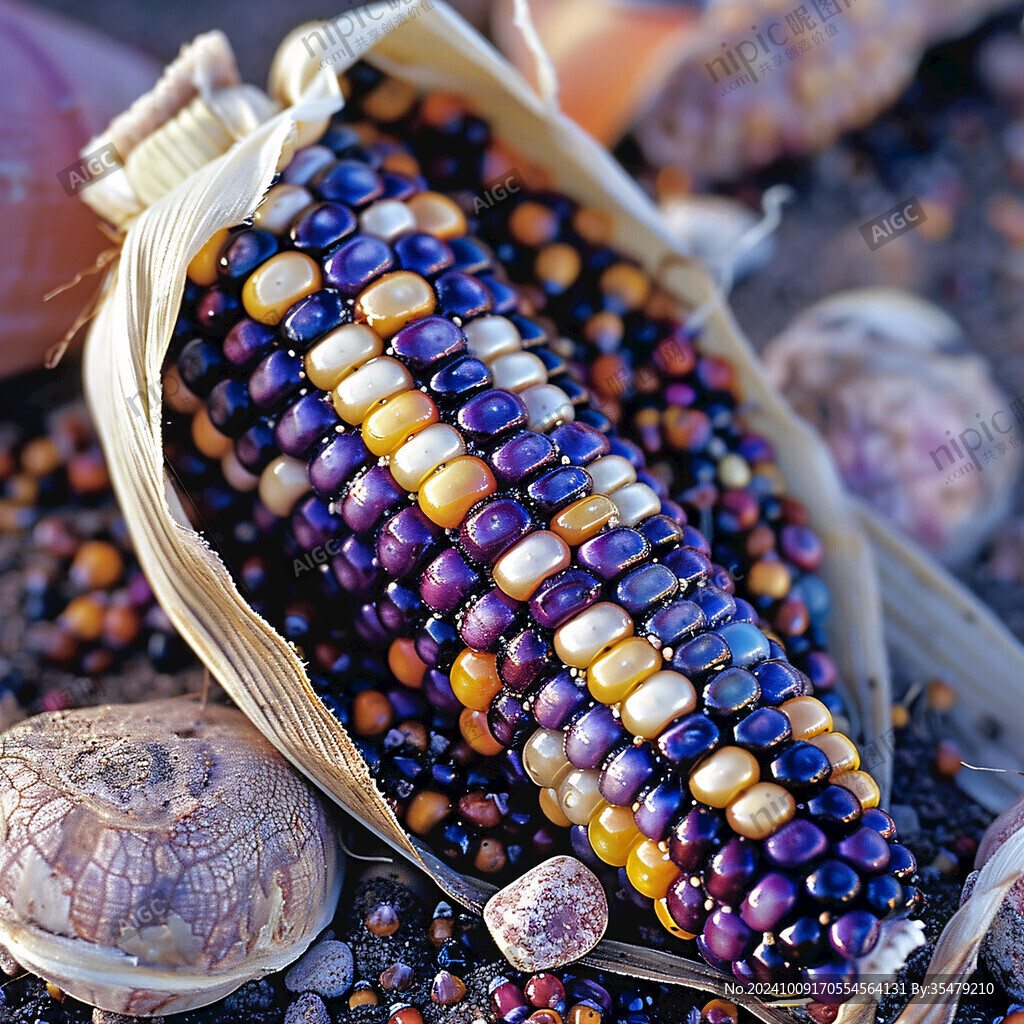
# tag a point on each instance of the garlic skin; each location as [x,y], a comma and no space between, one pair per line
[155,857]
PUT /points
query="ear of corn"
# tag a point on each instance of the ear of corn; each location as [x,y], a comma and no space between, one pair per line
[364,366]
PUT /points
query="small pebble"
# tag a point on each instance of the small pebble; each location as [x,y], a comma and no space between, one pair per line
[325,969]
[447,989]
[307,1009]
[382,920]
[397,978]
[362,995]
[719,1011]
[947,758]
[552,915]
[404,1014]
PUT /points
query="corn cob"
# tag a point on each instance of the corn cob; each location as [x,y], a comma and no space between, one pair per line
[647,375]
[516,556]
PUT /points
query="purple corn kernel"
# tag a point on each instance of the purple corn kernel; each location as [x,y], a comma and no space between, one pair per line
[335,462]
[592,736]
[491,415]
[492,529]
[769,901]
[369,498]
[613,552]
[626,773]
[447,581]
[527,658]
[728,873]
[521,456]
[487,619]
[562,596]
[312,418]
[796,843]
[428,341]
[558,700]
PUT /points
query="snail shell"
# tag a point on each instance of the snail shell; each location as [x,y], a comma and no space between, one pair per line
[154,857]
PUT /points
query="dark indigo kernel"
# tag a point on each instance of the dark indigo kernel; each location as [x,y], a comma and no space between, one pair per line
[355,566]
[780,681]
[526,658]
[876,818]
[487,618]
[693,837]
[447,580]
[833,884]
[613,552]
[800,766]
[490,416]
[201,365]
[727,936]
[492,529]
[461,295]
[321,228]
[718,606]
[305,423]
[521,456]
[349,181]
[216,311]
[579,443]
[685,904]
[459,380]
[306,163]
[731,691]
[834,807]
[659,807]
[747,644]
[371,495]
[398,608]
[798,842]
[245,251]
[769,901]
[424,254]
[557,700]
[865,849]
[247,342]
[701,655]
[854,934]
[398,186]
[314,525]
[626,773]
[801,942]
[688,738]
[510,723]
[591,737]
[276,379]
[470,256]
[427,341]
[675,622]
[884,894]
[662,533]
[762,729]
[230,408]
[646,587]
[691,567]
[357,262]
[340,137]
[562,596]
[438,644]
[256,447]
[334,463]
[312,317]
[557,488]
[504,298]
[407,542]
[532,333]
[730,871]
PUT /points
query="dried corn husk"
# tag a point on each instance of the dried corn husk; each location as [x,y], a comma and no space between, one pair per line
[162,231]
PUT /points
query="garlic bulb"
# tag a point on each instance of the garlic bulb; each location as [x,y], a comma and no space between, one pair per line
[157,856]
